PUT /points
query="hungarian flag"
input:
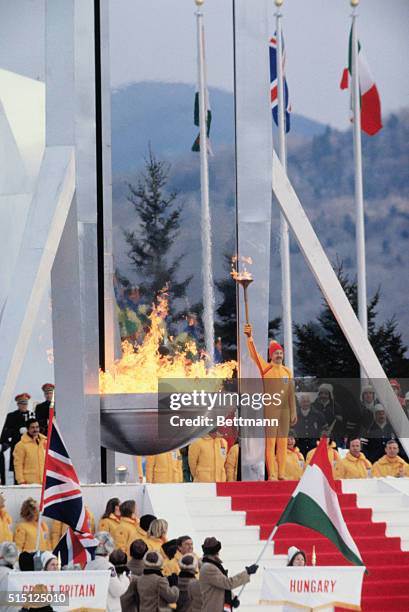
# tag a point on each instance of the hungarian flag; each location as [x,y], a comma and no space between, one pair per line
[314,504]
[371,120]
[76,548]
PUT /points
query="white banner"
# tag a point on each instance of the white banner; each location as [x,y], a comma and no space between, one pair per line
[312,588]
[86,590]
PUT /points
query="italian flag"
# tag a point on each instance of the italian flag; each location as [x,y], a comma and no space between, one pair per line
[314,504]
[371,120]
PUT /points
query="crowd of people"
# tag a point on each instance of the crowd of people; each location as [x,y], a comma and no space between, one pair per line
[371,448]
[148,571]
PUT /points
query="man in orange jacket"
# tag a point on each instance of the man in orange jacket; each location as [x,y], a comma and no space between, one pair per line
[276,379]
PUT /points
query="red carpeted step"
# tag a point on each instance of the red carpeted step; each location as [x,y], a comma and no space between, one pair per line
[278,501]
[357,529]
[386,588]
[352,515]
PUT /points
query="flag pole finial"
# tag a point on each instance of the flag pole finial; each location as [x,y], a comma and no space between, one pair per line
[199,2]
[278,3]
[354,3]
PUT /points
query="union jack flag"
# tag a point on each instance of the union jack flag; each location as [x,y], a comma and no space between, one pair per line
[76,548]
[61,495]
[273,85]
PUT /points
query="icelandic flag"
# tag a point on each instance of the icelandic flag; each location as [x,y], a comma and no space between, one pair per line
[61,495]
[274,86]
[76,548]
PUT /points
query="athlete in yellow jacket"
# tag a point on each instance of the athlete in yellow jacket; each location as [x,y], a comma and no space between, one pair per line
[390,464]
[276,379]
[25,536]
[355,464]
[29,455]
[6,534]
[164,468]
[207,459]
[294,465]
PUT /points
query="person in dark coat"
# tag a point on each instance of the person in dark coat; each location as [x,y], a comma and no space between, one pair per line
[310,424]
[188,569]
[329,409]
[215,586]
[42,410]
[15,425]
[379,433]
[153,589]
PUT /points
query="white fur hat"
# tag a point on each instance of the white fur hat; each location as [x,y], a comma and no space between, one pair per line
[8,553]
[46,557]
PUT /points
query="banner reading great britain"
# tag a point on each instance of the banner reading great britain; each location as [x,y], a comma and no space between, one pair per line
[312,588]
[84,590]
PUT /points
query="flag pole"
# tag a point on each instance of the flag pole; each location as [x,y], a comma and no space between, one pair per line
[208,292]
[284,234]
[359,194]
[261,555]
[40,512]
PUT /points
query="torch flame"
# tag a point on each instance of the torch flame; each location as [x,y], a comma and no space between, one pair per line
[139,370]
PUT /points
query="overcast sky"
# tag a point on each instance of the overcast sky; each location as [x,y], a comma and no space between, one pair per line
[155,40]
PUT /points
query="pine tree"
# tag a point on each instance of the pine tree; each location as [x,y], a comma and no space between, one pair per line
[158,228]
[324,352]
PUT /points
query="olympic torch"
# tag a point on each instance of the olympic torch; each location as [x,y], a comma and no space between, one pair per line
[243,278]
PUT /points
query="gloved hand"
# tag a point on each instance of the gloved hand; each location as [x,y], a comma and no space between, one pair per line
[23,430]
[235,602]
[173,580]
[251,569]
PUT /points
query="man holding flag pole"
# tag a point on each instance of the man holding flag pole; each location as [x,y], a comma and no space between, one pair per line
[366,115]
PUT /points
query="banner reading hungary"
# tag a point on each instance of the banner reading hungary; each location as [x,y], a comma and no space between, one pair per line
[314,504]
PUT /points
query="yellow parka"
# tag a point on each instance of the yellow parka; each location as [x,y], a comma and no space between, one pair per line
[155,543]
[353,467]
[164,468]
[6,534]
[293,464]
[58,529]
[25,536]
[333,457]
[207,459]
[390,467]
[29,457]
[109,523]
[126,532]
[232,463]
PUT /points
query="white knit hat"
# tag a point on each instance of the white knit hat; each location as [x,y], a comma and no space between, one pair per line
[292,551]
[326,387]
[8,553]
[378,408]
[46,557]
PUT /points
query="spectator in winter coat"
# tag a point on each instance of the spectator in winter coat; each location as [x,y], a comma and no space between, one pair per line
[154,590]
[188,565]
[127,530]
[207,459]
[119,560]
[326,405]
[117,584]
[355,464]
[378,434]
[310,424]
[6,534]
[130,599]
[25,535]
[215,586]
[391,464]
[164,468]
[111,518]
[8,559]
[29,455]
[138,550]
